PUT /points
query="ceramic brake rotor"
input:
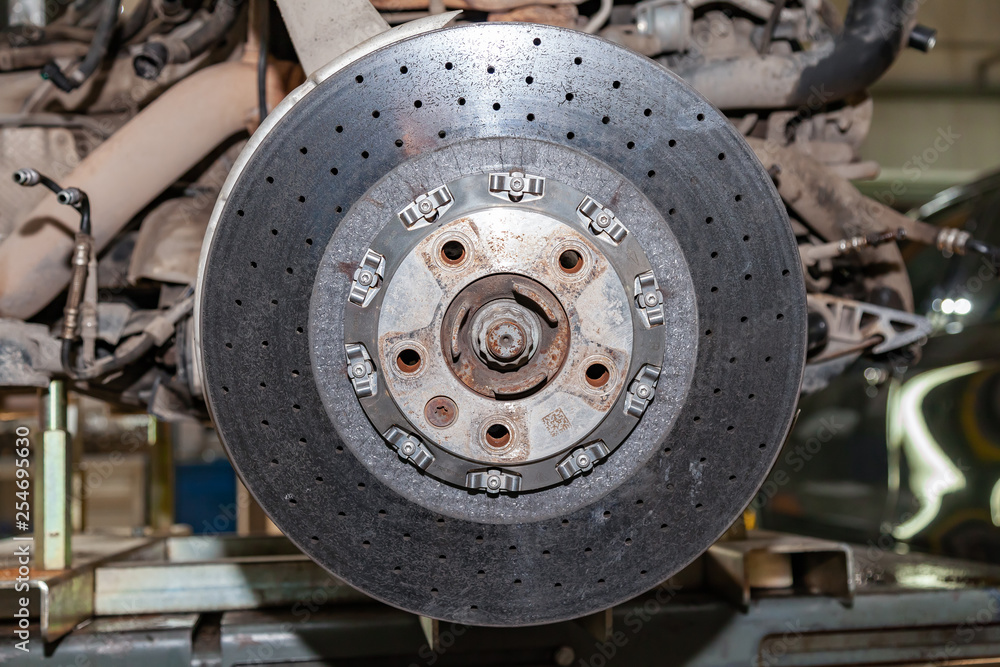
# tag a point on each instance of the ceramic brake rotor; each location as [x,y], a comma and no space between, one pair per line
[501,324]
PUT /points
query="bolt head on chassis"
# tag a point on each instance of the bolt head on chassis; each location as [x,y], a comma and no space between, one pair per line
[515,348]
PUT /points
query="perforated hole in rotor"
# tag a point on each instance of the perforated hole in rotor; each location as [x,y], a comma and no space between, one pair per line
[597,375]
[408,360]
[498,436]
[570,261]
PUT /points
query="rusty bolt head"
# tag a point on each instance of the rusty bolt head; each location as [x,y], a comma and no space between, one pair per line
[505,339]
[441,411]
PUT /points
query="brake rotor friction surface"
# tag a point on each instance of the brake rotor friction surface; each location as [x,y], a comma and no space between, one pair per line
[706,441]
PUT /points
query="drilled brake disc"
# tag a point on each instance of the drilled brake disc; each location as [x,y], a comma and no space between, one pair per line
[501,324]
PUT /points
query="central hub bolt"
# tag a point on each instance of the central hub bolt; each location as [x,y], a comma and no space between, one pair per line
[505,340]
[505,334]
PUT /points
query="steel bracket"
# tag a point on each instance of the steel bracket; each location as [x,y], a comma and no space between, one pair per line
[493,481]
[361,370]
[367,279]
[582,459]
[601,220]
[409,447]
[641,390]
[426,208]
[517,186]
[648,300]
[766,561]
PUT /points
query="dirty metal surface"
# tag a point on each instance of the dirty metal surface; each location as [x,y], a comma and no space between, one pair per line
[495,98]
[512,252]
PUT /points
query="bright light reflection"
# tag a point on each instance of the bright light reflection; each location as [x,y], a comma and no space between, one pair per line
[932,474]
[995,504]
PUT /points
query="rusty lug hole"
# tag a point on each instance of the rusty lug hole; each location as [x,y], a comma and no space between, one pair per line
[597,375]
[497,436]
[408,360]
[570,261]
[453,253]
